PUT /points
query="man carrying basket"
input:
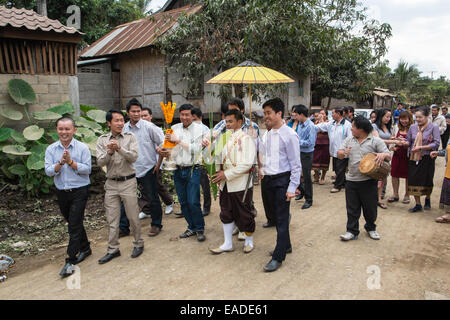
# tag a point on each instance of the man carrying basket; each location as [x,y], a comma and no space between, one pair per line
[361,190]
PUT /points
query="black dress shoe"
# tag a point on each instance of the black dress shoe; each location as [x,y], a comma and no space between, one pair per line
[307,205]
[137,251]
[67,270]
[268,225]
[299,197]
[201,236]
[123,233]
[83,255]
[205,212]
[109,257]
[179,215]
[427,205]
[289,250]
[273,265]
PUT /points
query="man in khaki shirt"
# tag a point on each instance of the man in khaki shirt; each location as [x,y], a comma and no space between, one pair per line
[118,151]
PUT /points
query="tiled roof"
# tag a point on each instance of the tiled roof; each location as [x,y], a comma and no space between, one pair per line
[137,34]
[22,18]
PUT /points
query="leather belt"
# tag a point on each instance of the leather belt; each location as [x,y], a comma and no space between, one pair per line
[123,178]
[276,176]
[72,190]
[188,167]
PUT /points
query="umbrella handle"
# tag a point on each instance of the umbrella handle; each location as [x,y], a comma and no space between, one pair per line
[250,102]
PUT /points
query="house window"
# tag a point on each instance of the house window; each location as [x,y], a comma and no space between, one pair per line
[90,70]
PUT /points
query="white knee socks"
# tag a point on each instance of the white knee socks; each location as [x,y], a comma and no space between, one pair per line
[249,241]
[228,235]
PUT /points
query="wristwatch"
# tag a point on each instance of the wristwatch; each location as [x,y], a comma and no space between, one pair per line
[60,163]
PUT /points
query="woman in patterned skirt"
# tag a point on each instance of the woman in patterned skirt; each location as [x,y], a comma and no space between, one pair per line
[321,159]
[423,138]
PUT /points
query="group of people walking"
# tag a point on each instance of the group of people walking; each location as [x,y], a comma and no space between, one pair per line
[283,158]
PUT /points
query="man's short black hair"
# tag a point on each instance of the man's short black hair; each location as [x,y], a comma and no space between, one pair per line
[224,108]
[148,109]
[276,104]
[339,110]
[362,123]
[351,109]
[301,109]
[186,106]
[64,119]
[236,113]
[435,107]
[109,114]
[133,102]
[444,108]
[197,112]
[237,102]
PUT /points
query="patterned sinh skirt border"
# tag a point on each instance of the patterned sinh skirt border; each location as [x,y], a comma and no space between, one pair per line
[420,176]
[445,196]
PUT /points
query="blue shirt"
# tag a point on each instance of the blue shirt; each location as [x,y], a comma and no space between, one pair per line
[67,177]
[149,136]
[307,135]
[221,127]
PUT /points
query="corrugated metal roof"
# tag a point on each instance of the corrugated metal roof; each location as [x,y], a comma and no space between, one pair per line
[137,34]
[22,18]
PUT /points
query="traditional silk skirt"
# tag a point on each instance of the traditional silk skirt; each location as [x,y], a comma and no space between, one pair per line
[445,196]
[321,157]
[420,176]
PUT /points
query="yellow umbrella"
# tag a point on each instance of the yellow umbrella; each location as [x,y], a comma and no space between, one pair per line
[250,73]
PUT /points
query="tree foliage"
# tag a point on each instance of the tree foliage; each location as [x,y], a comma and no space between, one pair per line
[297,37]
[411,87]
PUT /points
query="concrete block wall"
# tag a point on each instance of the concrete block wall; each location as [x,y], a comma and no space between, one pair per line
[96,89]
[51,90]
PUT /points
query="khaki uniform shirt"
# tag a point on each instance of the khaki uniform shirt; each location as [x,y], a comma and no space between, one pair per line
[120,164]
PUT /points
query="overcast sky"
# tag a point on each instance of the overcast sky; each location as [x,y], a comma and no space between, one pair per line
[420,28]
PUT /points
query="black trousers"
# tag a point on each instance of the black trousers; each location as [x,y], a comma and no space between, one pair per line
[206,189]
[444,139]
[276,196]
[150,189]
[72,206]
[339,166]
[271,219]
[361,195]
[306,186]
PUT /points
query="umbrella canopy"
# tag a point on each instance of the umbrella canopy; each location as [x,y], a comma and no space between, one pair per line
[250,72]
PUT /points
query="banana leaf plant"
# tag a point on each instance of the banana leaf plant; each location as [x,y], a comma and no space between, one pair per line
[213,153]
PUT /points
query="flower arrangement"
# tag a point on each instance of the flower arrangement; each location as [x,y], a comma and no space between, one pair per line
[168,111]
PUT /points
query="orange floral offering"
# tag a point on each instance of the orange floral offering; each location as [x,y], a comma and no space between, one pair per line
[168,111]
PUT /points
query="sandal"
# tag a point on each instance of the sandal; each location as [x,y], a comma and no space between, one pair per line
[406,200]
[443,219]
[381,205]
[393,199]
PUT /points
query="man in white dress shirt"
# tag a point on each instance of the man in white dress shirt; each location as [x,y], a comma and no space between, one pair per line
[280,150]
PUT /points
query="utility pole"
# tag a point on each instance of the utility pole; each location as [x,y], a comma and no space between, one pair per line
[42,7]
[432,74]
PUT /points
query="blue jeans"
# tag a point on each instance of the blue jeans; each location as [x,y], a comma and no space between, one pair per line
[187,184]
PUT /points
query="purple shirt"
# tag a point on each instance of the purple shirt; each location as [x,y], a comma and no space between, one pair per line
[280,150]
[430,136]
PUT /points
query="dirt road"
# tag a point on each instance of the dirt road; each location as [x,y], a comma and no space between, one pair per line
[412,260]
